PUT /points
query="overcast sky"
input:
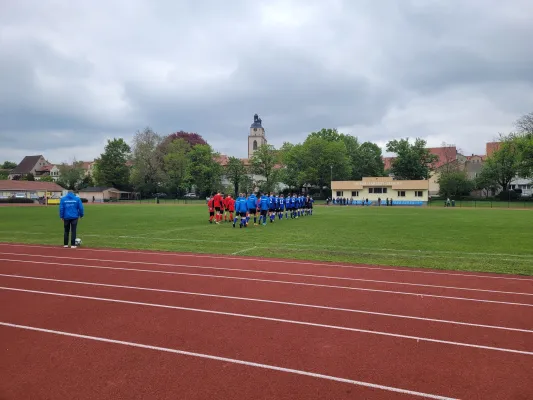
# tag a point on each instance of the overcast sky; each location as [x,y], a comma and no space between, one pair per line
[75,73]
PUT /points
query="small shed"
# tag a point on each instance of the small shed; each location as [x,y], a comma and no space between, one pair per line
[99,194]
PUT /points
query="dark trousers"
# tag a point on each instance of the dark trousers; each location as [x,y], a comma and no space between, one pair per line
[70,226]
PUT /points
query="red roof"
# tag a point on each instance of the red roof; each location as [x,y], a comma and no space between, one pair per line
[30,185]
[223,160]
[445,154]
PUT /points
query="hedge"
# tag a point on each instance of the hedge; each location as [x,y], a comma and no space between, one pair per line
[17,200]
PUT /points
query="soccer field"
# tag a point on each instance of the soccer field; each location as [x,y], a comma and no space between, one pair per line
[489,240]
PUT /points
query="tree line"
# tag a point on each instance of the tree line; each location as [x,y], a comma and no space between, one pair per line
[182,162]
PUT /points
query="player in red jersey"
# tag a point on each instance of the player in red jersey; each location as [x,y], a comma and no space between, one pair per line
[211,207]
[230,207]
[217,201]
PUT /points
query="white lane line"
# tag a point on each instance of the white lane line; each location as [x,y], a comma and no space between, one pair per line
[273,273]
[240,251]
[314,306]
[283,261]
[285,321]
[419,295]
[232,361]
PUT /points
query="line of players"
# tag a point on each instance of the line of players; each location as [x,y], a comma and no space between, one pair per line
[244,207]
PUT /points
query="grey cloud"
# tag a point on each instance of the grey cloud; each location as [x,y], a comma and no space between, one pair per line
[438,69]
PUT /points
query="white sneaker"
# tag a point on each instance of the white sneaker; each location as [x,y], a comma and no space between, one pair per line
[66,247]
[72,247]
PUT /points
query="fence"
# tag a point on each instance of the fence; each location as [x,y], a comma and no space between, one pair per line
[483,203]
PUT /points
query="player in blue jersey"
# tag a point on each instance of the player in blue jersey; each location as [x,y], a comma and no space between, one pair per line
[264,206]
[240,210]
[271,206]
[251,203]
[287,206]
[290,199]
[281,203]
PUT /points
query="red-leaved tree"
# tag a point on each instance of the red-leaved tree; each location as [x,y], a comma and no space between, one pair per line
[192,138]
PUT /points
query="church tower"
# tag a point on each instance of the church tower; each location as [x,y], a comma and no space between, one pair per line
[256,137]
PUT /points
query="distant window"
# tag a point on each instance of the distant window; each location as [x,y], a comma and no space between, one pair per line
[377,190]
[418,193]
[339,194]
[255,144]
[355,193]
[401,193]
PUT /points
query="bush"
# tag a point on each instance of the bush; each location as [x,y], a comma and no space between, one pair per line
[507,195]
[17,200]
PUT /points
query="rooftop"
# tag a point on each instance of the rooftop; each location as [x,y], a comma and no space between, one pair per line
[26,165]
[29,186]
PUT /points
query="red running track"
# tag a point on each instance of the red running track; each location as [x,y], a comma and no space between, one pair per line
[92,324]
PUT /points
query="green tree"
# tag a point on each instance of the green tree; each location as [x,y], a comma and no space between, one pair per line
[71,175]
[46,178]
[292,159]
[367,161]
[263,163]
[86,182]
[111,169]
[327,134]
[147,172]
[413,161]
[524,124]
[455,183]
[246,184]
[324,160]
[9,165]
[503,165]
[235,172]
[176,165]
[28,177]
[205,172]
[3,175]
[524,145]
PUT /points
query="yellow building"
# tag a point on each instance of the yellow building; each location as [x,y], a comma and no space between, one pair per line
[413,193]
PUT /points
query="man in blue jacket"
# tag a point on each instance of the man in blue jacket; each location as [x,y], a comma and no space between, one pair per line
[70,210]
[240,210]
[264,205]
[251,203]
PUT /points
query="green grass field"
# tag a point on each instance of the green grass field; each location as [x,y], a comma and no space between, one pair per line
[491,240]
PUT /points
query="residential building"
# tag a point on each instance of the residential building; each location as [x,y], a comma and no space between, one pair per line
[88,167]
[35,165]
[525,185]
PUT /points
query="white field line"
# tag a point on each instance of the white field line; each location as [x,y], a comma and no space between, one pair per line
[244,250]
[313,306]
[230,360]
[280,320]
[269,272]
[272,281]
[371,250]
[282,261]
